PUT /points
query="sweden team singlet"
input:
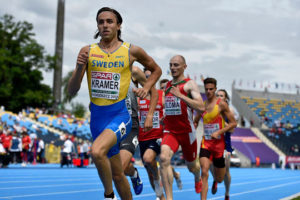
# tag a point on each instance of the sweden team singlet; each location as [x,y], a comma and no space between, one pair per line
[108,74]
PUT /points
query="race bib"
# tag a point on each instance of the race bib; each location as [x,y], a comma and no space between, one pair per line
[155,119]
[105,85]
[209,129]
[172,105]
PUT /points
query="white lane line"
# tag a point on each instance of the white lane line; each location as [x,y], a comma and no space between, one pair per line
[67,192]
[257,190]
[43,177]
[51,193]
[291,197]
[47,186]
[49,180]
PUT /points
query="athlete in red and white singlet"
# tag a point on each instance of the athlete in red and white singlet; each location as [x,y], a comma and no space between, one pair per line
[149,140]
[177,110]
[181,96]
[157,131]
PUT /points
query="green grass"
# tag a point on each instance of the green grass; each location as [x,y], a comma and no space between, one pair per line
[297,198]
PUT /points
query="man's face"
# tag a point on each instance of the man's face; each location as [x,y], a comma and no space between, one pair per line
[177,66]
[210,90]
[163,86]
[107,25]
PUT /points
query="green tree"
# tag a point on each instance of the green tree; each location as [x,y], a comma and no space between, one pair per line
[78,109]
[22,60]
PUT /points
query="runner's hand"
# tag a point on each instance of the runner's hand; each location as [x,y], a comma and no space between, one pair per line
[148,125]
[175,91]
[215,135]
[82,58]
[140,92]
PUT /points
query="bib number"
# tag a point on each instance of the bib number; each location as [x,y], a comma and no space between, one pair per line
[209,129]
[155,119]
[105,85]
[172,105]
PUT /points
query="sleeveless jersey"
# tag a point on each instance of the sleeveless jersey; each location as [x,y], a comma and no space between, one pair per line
[157,130]
[108,75]
[213,121]
[178,115]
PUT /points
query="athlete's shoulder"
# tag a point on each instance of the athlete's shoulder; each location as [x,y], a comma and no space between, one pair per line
[85,49]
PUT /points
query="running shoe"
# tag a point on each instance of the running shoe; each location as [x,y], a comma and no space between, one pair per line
[137,183]
[198,186]
[158,188]
[115,198]
[214,187]
[226,197]
[178,182]
[107,198]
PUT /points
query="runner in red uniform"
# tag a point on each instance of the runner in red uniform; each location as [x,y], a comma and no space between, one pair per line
[213,143]
[181,96]
[149,141]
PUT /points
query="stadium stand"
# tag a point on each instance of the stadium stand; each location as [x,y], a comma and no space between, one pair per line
[277,115]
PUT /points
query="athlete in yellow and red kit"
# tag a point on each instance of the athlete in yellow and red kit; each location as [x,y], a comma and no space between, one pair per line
[213,143]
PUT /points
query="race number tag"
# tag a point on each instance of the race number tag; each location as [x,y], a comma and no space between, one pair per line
[155,120]
[105,85]
[209,129]
[172,105]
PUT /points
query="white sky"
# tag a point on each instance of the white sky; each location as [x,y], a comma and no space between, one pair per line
[226,39]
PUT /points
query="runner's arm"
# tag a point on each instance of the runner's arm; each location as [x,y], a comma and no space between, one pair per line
[196,119]
[195,101]
[139,55]
[139,75]
[226,113]
[81,65]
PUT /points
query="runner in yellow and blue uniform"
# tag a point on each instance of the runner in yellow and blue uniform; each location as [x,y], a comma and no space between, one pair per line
[108,65]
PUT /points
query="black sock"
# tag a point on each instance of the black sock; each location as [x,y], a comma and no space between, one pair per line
[112,195]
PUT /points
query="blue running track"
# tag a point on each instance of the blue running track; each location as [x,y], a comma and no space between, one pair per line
[49,181]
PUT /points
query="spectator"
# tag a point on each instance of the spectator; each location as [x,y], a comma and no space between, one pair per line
[243,123]
[67,150]
[26,143]
[15,148]
[6,139]
[41,151]
[4,159]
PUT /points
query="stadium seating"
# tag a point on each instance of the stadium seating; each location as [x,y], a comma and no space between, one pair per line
[286,111]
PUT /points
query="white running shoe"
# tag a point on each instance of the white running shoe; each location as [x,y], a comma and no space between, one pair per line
[158,188]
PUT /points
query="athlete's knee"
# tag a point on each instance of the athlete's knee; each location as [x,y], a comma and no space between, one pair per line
[98,152]
[194,167]
[164,160]
[148,159]
[204,174]
[117,177]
